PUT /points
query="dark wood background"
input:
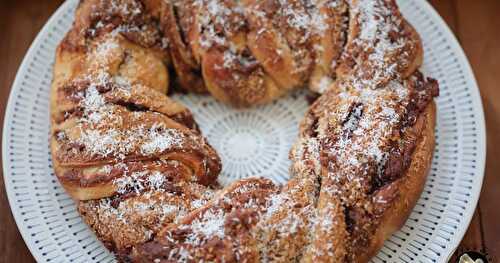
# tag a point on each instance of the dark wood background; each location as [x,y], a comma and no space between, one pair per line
[476,23]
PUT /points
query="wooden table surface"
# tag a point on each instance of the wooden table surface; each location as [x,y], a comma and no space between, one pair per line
[476,23]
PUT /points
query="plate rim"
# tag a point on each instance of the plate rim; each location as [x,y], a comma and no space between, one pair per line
[8,111]
[475,93]
[476,99]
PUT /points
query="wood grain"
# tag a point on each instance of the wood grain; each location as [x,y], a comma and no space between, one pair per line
[479,33]
[475,23]
[20,21]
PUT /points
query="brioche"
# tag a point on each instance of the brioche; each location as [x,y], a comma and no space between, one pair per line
[144,177]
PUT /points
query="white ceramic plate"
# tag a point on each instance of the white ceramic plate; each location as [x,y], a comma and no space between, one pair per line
[54,232]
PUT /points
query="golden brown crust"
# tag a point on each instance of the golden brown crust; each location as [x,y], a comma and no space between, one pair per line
[328,43]
[108,103]
[381,44]
[410,187]
[177,24]
[94,182]
[124,221]
[215,232]
[349,131]
[231,71]
[283,229]
[252,52]
[128,152]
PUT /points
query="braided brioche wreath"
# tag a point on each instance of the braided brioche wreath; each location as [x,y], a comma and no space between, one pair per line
[145,179]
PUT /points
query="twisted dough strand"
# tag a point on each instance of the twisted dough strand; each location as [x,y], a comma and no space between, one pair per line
[359,163]
[109,105]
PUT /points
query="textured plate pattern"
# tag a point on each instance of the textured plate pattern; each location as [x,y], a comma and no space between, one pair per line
[253,141]
[54,232]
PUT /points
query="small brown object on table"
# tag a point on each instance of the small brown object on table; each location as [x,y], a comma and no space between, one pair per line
[475,23]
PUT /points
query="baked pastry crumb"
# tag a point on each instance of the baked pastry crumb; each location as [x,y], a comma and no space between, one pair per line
[145,178]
